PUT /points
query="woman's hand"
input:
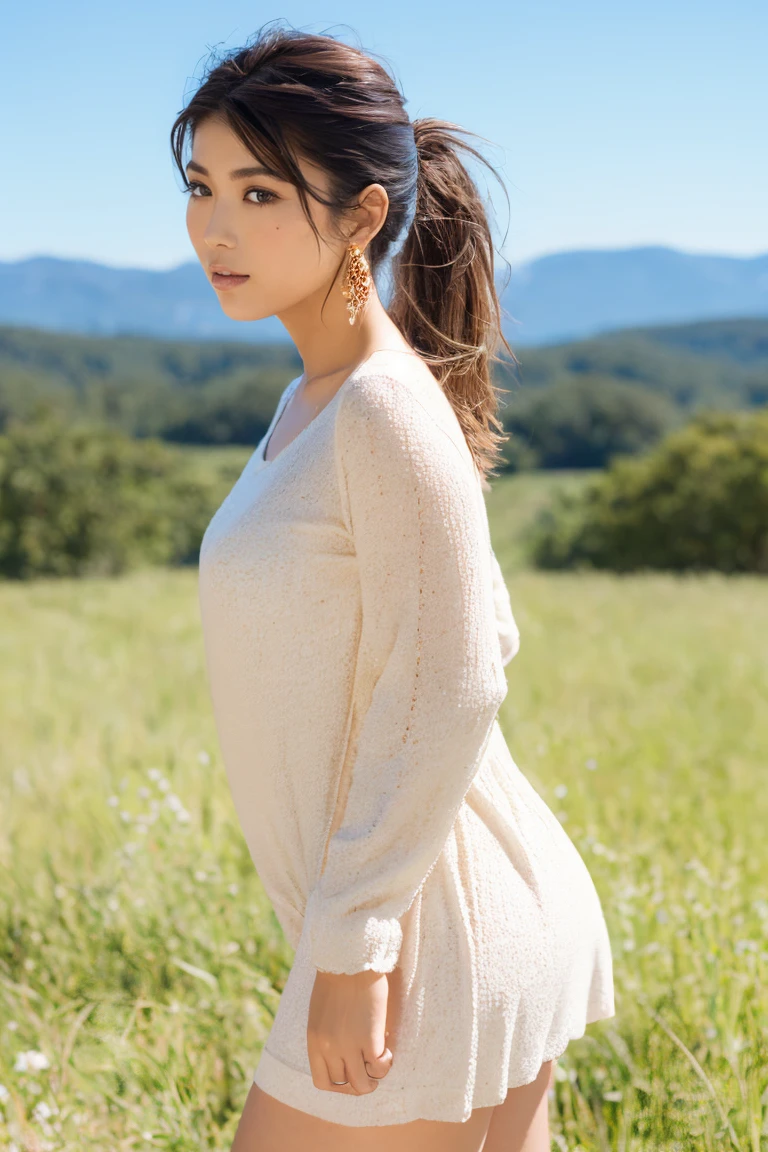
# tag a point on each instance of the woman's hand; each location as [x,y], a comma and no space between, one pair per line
[346,1031]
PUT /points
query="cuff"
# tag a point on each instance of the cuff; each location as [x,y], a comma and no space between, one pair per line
[353,943]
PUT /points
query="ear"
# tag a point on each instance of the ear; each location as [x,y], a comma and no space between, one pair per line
[369,215]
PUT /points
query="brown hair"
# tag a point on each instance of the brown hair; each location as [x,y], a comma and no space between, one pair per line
[292,93]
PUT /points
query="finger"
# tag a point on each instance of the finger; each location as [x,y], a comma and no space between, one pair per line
[318,1068]
[322,1075]
[337,1072]
[357,1075]
[378,1066]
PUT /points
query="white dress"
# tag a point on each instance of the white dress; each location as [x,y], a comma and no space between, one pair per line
[356,626]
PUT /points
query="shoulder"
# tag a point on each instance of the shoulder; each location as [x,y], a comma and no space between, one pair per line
[399,409]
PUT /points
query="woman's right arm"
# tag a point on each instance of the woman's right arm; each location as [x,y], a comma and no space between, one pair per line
[509,633]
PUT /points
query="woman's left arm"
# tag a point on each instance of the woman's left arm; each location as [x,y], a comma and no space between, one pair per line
[430,632]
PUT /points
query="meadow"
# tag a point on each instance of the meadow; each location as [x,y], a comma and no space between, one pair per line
[140,961]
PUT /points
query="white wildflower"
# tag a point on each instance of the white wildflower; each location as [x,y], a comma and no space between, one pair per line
[43,1111]
[31,1061]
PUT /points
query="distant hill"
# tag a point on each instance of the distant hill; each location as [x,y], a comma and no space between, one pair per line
[576,294]
[224,392]
[147,386]
[722,363]
[565,296]
[93,299]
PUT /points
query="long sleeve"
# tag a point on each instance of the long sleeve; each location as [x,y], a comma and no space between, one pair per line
[429,633]
[509,634]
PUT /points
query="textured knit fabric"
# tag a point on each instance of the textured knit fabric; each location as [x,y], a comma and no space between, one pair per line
[356,626]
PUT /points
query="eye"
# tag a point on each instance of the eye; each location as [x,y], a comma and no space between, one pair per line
[262,192]
[190,189]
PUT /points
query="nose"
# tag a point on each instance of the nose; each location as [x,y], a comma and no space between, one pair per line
[218,231]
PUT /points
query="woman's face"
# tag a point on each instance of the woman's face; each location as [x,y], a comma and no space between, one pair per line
[254,224]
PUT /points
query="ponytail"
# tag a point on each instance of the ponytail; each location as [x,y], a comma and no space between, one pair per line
[444,297]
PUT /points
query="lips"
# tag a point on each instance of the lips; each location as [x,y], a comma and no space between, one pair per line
[227,279]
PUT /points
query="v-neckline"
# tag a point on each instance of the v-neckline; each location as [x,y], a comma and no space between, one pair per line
[261,457]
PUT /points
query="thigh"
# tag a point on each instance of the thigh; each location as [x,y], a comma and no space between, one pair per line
[521,1123]
[268,1125]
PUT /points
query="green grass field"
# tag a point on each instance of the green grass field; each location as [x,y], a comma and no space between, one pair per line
[140,961]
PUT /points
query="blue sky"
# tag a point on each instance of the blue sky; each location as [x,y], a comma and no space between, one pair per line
[611,124]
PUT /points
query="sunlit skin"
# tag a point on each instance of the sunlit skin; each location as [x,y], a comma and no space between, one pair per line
[254,224]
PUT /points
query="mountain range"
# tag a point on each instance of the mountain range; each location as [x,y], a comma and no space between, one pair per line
[554,298]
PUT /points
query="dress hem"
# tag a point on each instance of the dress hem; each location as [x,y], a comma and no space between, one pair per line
[289,1086]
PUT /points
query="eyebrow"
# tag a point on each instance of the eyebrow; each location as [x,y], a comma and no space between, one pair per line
[236,174]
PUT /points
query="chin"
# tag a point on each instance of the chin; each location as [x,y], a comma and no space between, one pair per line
[243,311]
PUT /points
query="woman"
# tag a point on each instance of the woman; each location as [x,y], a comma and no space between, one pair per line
[449,939]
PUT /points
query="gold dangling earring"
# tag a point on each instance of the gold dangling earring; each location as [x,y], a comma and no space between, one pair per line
[357,282]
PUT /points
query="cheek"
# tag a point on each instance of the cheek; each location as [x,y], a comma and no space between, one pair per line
[194,224]
[292,234]
[286,253]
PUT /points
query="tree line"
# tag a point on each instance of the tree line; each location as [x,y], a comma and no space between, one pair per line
[93,478]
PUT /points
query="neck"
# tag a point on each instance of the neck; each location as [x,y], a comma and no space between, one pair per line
[328,344]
